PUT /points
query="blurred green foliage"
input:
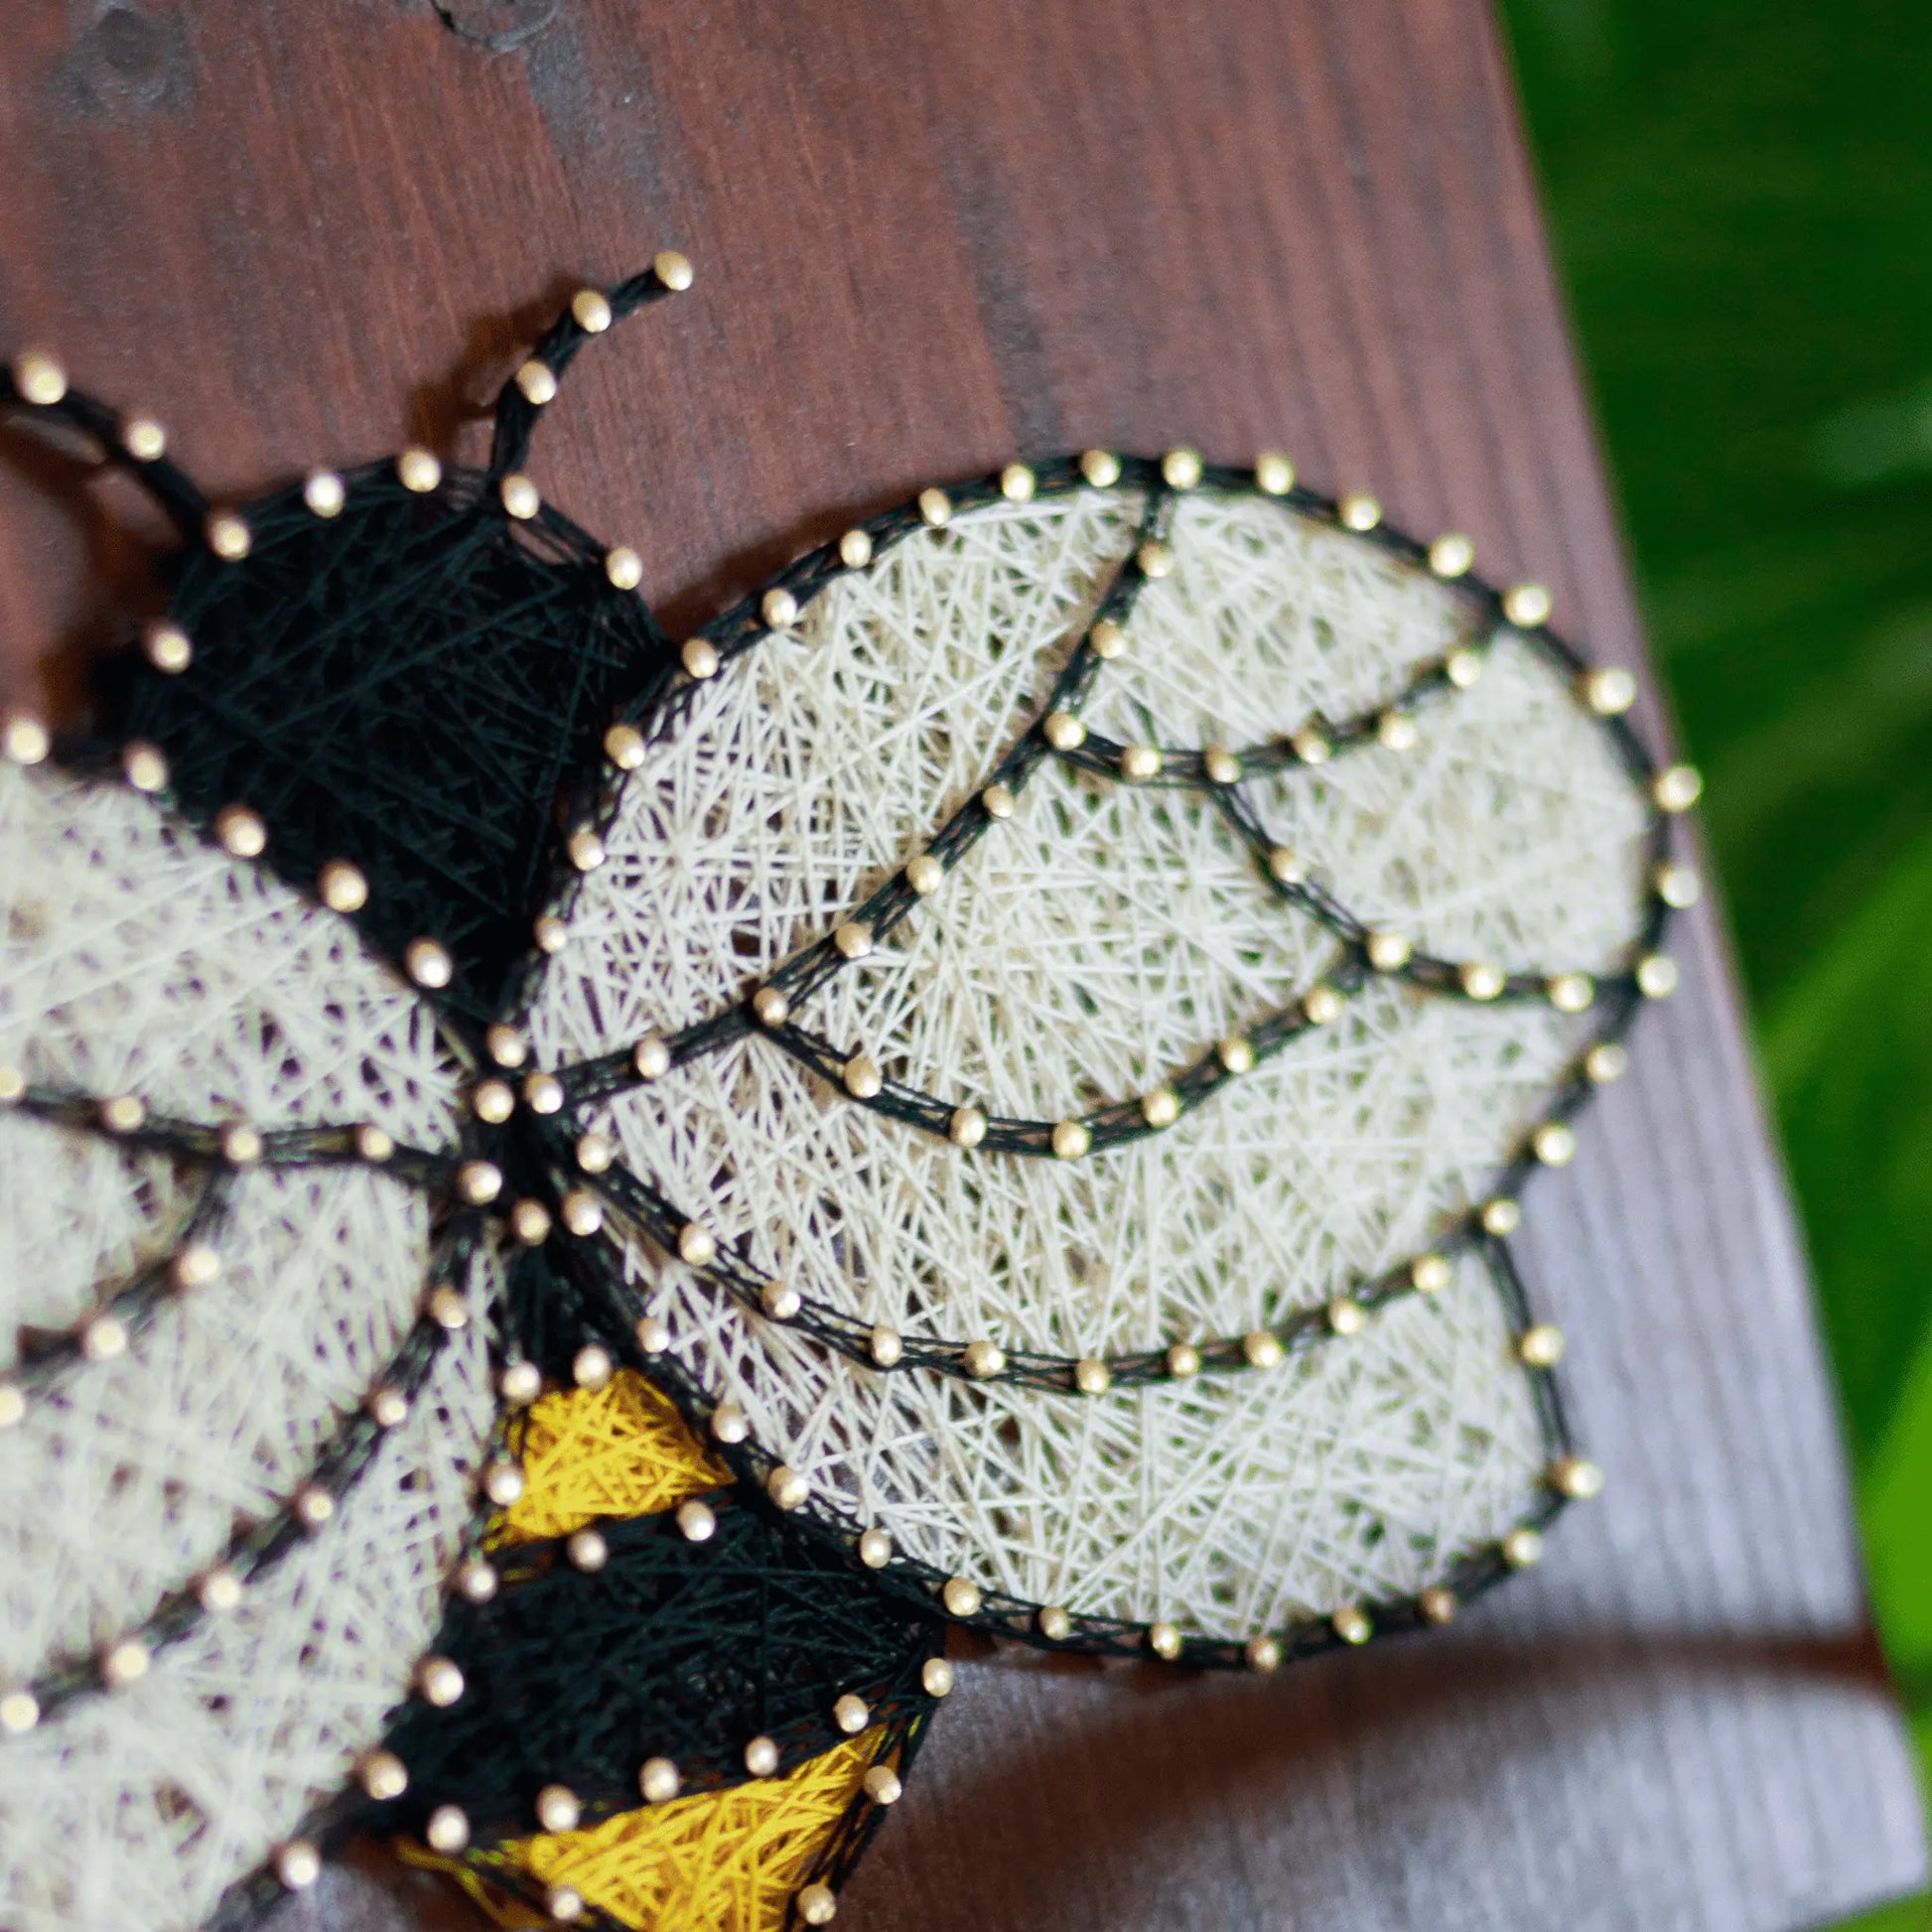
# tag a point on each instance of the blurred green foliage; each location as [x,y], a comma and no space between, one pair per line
[1741,200]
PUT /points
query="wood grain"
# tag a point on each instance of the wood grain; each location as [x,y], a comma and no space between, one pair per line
[930,237]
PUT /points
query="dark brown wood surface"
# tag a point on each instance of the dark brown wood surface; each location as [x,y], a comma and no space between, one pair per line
[928,238]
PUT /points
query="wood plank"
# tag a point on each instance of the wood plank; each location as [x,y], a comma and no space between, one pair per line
[930,237]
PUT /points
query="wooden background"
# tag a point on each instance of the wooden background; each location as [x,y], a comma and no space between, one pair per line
[929,238]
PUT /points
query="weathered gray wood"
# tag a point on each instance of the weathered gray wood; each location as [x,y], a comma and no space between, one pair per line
[929,238]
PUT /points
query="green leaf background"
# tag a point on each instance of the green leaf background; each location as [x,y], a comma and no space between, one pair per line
[1740,194]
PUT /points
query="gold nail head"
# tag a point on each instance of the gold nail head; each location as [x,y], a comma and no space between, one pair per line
[936,509]
[1347,1315]
[925,875]
[519,498]
[762,1757]
[855,549]
[1358,511]
[144,766]
[530,1223]
[1108,640]
[853,939]
[1287,866]
[1065,731]
[1522,1548]
[817,1904]
[197,1264]
[624,567]
[1262,1347]
[503,1483]
[1322,1005]
[1676,789]
[538,382]
[592,1367]
[373,1145]
[20,1712]
[1577,1476]
[1092,1376]
[961,1596]
[1554,1144]
[1429,1274]
[478,1181]
[886,1346]
[967,1128]
[697,1246]
[1541,1346]
[786,1487]
[1397,731]
[874,1549]
[1604,1062]
[1222,767]
[882,1785]
[587,1551]
[1101,467]
[550,933]
[1463,667]
[1154,558]
[1389,952]
[1264,1654]
[26,740]
[652,1057]
[591,310]
[1072,1139]
[659,1781]
[166,647]
[325,493]
[343,887]
[699,656]
[673,270]
[1054,1623]
[1310,746]
[241,831]
[124,1663]
[623,746]
[1236,1053]
[439,1680]
[1181,469]
[1501,1215]
[39,378]
[1351,1624]
[477,1581]
[586,849]
[1452,555]
[1161,1108]
[780,1300]
[983,1359]
[447,1830]
[697,1522]
[653,1334]
[558,1808]
[241,1144]
[863,1080]
[1141,763]
[428,964]
[1525,605]
[770,1007]
[851,1714]
[298,1865]
[1438,1605]
[103,1337]
[143,439]
[1017,483]
[492,1101]
[1678,884]
[123,1113]
[521,1383]
[1657,976]
[1163,1639]
[382,1775]
[418,471]
[1610,691]
[778,609]
[1184,1360]
[1482,979]
[1273,474]
[1571,992]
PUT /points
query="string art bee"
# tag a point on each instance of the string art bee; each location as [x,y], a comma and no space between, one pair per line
[575,1200]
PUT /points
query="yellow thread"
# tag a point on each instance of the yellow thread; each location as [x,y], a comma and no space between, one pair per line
[720,1862]
[618,1450]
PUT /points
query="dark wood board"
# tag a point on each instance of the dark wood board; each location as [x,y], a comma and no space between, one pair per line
[929,238]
